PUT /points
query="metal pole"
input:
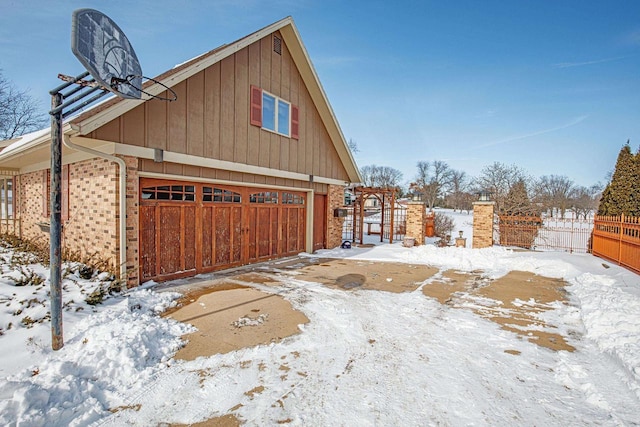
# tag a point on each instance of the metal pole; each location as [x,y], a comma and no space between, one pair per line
[55,233]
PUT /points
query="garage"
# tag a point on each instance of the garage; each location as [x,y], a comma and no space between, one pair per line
[188,228]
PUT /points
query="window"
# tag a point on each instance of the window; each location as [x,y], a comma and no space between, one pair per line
[268,112]
[266,197]
[169,192]
[292,199]
[283,117]
[6,198]
[210,194]
[274,114]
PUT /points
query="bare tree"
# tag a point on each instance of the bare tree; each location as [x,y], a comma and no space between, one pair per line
[353,146]
[498,179]
[380,176]
[18,111]
[555,191]
[585,200]
[432,181]
[459,186]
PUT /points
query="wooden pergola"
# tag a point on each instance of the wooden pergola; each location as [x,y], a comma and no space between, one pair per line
[387,199]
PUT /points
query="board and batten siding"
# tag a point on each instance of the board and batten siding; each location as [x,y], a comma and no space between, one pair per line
[211,119]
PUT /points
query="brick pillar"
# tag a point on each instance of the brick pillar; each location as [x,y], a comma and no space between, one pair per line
[415,221]
[483,224]
[335,199]
[133,221]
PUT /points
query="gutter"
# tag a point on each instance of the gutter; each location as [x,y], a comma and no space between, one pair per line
[66,139]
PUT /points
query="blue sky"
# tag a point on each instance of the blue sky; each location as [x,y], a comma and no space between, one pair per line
[551,86]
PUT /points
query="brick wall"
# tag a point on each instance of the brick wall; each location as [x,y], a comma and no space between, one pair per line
[415,222]
[90,232]
[483,224]
[133,182]
[30,205]
[335,199]
[92,226]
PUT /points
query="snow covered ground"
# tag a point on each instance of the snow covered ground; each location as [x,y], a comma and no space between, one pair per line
[366,357]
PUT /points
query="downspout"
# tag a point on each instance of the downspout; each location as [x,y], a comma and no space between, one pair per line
[123,198]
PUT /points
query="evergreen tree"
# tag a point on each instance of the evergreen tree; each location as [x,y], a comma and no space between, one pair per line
[517,201]
[622,196]
[635,187]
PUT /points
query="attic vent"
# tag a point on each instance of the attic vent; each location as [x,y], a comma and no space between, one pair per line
[277,45]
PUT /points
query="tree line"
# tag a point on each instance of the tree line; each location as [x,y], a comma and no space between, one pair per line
[512,189]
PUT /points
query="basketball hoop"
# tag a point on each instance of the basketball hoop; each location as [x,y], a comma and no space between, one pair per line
[106,53]
[131,81]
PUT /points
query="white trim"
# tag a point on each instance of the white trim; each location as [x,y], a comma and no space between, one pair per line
[66,160]
[276,109]
[114,148]
[189,159]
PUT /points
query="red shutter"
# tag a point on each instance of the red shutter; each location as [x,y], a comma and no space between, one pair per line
[295,122]
[256,106]
[65,192]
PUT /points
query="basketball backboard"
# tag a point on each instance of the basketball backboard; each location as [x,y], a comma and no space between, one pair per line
[103,48]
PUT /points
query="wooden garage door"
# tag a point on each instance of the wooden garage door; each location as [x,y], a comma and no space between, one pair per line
[190,228]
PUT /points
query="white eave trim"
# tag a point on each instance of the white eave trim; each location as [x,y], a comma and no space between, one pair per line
[188,159]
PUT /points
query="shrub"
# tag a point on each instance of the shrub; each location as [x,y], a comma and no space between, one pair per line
[443,227]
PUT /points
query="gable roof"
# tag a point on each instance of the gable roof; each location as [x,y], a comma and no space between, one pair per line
[106,111]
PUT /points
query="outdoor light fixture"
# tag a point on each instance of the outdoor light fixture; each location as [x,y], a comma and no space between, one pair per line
[417,197]
[484,196]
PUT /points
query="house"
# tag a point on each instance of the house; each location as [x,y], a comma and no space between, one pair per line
[247,165]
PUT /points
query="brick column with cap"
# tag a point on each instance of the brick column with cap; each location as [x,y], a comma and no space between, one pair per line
[483,224]
[415,222]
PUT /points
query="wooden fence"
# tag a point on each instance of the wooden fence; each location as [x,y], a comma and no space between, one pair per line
[617,238]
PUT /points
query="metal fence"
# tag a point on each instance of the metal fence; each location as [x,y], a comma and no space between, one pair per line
[617,238]
[544,233]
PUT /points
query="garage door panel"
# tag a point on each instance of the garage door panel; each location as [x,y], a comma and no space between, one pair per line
[207,236]
[187,228]
[236,236]
[189,237]
[148,241]
[265,238]
[222,225]
[227,226]
[170,238]
[293,230]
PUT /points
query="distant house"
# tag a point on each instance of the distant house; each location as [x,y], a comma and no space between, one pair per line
[247,165]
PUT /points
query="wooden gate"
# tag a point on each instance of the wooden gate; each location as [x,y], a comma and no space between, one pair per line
[191,228]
